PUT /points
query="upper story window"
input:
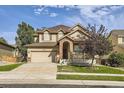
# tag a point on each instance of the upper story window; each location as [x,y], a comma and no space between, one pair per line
[46,35]
[120,39]
[60,34]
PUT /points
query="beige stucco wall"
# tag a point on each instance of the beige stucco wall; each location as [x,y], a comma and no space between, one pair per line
[78,34]
[116,41]
[40,37]
[76,28]
[46,37]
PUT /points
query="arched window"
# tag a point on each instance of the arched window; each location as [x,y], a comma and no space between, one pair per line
[46,35]
[60,34]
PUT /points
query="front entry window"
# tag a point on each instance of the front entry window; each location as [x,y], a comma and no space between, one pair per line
[77,48]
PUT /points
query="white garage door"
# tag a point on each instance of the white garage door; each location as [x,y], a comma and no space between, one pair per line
[41,57]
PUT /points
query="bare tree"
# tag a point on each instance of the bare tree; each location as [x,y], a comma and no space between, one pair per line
[97,43]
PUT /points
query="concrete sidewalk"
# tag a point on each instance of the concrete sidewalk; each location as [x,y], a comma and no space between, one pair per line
[61,83]
[97,74]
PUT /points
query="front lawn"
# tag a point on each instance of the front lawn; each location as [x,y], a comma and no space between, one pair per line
[95,69]
[9,67]
[87,77]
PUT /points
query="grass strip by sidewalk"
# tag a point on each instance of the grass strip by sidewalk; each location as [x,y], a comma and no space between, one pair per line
[87,77]
[9,67]
[96,69]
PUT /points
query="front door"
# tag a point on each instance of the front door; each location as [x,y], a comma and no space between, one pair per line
[66,49]
[65,53]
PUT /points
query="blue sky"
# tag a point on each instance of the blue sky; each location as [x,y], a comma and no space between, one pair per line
[46,16]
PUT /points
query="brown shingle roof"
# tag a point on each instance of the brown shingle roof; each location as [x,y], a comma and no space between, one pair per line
[117,32]
[7,45]
[42,44]
[55,29]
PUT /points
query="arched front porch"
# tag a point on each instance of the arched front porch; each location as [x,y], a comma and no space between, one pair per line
[65,48]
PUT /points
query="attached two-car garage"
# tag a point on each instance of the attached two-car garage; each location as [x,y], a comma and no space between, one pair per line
[41,56]
[42,52]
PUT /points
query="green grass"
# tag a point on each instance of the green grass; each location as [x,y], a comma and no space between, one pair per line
[86,77]
[9,67]
[96,69]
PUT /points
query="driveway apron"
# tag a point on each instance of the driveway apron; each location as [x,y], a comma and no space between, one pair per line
[40,70]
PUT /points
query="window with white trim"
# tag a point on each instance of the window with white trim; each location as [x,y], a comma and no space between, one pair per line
[46,35]
[60,34]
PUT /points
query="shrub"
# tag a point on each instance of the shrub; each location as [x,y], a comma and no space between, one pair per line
[116,59]
[105,62]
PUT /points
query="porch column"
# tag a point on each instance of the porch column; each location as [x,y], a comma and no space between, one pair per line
[61,50]
[71,47]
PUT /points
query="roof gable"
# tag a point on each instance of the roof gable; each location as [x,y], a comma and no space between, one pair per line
[60,30]
[66,37]
[56,29]
[78,27]
[71,33]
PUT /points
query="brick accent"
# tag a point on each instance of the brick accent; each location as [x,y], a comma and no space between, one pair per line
[61,46]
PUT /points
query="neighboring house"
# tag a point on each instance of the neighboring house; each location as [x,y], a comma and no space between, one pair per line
[117,38]
[55,43]
[7,52]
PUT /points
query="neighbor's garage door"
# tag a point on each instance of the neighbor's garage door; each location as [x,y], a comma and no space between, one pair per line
[41,57]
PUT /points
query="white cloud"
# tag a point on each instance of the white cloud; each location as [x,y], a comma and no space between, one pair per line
[99,14]
[90,14]
[115,7]
[53,14]
[37,13]
[38,10]
[67,8]
[73,20]
[89,11]
[55,6]
[44,10]
[97,11]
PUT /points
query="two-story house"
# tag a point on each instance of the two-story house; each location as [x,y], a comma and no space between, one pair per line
[117,38]
[55,43]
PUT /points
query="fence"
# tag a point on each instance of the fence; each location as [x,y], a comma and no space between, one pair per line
[81,59]
[6,58]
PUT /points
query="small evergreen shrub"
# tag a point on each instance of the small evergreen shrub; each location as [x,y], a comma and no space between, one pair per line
[116,59]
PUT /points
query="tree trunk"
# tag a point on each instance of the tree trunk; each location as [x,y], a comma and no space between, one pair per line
[92,61]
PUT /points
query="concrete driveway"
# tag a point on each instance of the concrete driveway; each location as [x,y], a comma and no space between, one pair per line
[44,70]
